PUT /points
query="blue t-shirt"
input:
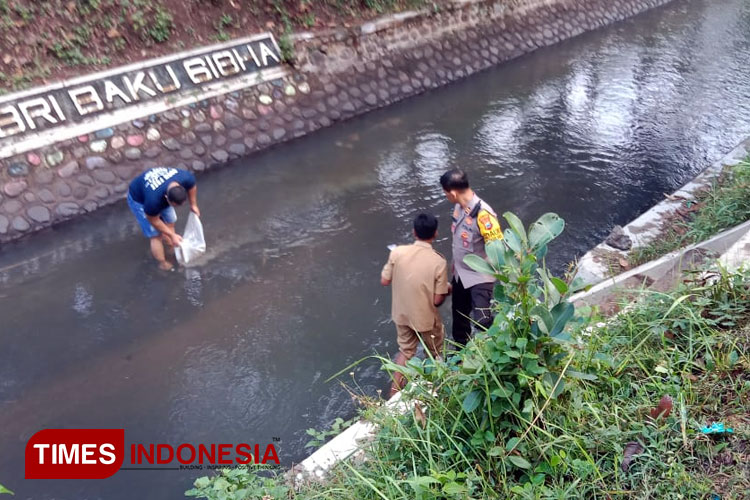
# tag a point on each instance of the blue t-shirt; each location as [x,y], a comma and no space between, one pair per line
[150,188]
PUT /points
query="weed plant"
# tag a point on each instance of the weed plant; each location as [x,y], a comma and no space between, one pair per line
[550,403]
[725,205]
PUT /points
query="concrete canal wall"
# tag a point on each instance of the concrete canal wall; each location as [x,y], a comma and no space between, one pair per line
[72,147]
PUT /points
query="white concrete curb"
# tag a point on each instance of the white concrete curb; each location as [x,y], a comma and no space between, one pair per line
[592,268]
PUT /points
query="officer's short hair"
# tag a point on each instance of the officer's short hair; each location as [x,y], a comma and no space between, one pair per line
[177,195]
[425,226]
[454,179]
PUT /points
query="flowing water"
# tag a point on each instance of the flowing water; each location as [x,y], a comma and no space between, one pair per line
[239,349]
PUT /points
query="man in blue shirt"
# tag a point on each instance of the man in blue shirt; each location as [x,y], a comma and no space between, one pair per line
[152,197]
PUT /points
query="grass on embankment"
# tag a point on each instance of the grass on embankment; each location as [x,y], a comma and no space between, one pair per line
[549,403]
[724,205]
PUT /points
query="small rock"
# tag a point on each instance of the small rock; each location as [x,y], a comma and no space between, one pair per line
[248,114]
[220,141]
[63,189]
[152,152]
[188,138]
[618,239]
[220,155]
[263,109]
[152,134]
[304,88]
[199,116]
[38,214]
[215,112]
[290,90]
[83,138]
[4,223]
[170,115]
[237,149]
[20,224]
[18,169]
[90,206]
[235,134]
[171,144]
[207,139]
[278,133]
[265,99]
[186,123]
[117,142]
[12,206]
[101,192]
[186,154]
[135,140]
[115,157]
[99,146]
[46,196]
[232,120]
[34,159]
[87,180]
[104,176]
[138,124]
[94,162]
[13,189]
[29,197]
[55,158]
[371,99]
[198,166]
[66,209]
[121,187]
[203,128]
[105,133]
[219,127]
[133,154]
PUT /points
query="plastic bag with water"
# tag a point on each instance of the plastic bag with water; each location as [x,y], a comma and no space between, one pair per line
[193,243]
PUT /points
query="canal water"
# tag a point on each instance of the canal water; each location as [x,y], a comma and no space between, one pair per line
[238,350]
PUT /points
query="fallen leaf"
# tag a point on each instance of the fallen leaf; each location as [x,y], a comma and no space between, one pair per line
[664,408]
[669,335]
[113,33]
[7,58]
[624,263]
[270,25]
[631,449]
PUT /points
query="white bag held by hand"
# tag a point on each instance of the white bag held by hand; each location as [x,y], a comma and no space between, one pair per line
[193,243]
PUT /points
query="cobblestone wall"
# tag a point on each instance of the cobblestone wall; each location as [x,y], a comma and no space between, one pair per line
[336,75]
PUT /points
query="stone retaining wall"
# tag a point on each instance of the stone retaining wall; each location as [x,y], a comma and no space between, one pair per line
[336,75]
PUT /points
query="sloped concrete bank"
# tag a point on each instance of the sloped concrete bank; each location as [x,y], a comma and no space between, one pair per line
[600,262]
[334,75]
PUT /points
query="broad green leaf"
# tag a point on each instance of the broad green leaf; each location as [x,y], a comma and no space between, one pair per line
[472,401]
[478,264]
[540,311]
[545,229]
[202,482]
[561,286]
[519,462]
[511,444]
[516,225]
[513,242]
[550,379]
[495,250]
[5,491]
[502,392]
[581,375]
[561,314]
[495,451]
[453,488]
[551,291]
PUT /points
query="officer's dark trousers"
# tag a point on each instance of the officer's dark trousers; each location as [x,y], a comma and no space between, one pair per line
[471,306]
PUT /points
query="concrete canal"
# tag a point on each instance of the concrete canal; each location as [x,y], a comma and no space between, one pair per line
[238,350]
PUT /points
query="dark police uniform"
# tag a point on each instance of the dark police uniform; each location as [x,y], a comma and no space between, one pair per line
[472,228]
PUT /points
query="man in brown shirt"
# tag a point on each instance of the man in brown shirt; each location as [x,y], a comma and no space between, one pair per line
[420,284]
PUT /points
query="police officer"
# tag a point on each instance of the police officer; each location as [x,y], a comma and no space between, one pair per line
[474,225]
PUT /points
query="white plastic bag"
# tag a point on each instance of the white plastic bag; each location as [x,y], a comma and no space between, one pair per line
[193,243]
